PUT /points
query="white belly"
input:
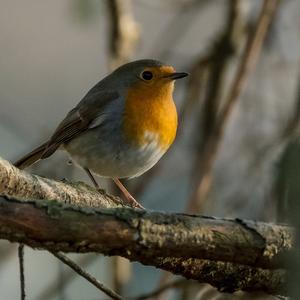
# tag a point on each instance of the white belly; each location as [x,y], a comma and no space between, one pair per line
[109,156]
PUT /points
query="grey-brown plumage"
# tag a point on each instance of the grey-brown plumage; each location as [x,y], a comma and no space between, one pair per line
[104,137]
[89,109]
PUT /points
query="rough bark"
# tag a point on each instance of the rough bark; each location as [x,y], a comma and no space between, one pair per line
[148,237]
[21,184]
[229,254]
[131,232]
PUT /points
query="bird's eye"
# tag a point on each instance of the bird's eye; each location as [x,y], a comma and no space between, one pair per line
[147,75]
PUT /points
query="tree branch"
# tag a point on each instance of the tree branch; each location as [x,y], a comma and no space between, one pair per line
[132,233]
[65,278]
[154,239]
[229,254]
[247,63]
[20,184]
[87,276]
[22,272]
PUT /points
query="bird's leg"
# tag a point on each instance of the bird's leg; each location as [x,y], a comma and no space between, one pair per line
[93,179]
[127,195]
[119,184]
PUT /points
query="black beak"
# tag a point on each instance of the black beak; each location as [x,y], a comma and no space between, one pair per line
[176,75]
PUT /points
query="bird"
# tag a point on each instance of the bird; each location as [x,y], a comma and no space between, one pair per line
[121,127]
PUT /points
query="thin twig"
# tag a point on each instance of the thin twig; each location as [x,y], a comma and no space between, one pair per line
[289,133]
[68,275]
[250,57]
[247,64]
[223,51]
[87,276]
[22,273]
[217,63]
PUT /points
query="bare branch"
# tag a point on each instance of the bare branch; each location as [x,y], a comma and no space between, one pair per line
[154,238]
[205,249]
[132,233]
[22,273]
[18,183]
[247,64]
[22,184]
[68,276]
[87,276]
[250,57]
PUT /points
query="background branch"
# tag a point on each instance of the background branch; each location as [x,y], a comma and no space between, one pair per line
[87,276]
[66,277]
[124,32]
[22,272]
[246,65]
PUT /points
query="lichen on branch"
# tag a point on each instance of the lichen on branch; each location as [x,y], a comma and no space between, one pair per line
[57,216]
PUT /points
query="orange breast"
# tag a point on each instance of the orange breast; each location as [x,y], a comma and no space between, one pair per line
[150,110]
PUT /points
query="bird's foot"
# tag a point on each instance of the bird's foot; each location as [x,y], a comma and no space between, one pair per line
[133,202]
[130,199]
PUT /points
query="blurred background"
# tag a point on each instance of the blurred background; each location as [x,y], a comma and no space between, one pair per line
[53,52]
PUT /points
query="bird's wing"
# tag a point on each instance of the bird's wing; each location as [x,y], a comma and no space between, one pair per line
[80,119]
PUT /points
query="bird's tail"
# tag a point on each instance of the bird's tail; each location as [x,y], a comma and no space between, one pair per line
[31,157]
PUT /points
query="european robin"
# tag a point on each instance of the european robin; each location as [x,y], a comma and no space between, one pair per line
[122,126]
